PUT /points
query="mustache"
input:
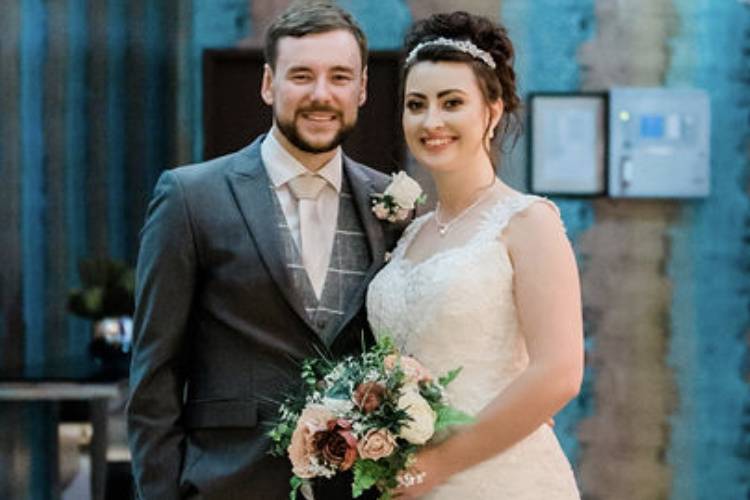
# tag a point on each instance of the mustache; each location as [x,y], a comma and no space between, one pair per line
[324,109]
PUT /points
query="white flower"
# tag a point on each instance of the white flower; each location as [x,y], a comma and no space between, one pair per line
[421,427]
[404,190]
[338,406]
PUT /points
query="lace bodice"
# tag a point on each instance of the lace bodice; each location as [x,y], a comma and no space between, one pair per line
[456,308]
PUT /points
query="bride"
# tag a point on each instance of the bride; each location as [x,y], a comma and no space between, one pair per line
[487,281]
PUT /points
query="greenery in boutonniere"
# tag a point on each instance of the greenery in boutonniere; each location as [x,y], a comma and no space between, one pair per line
[107,290]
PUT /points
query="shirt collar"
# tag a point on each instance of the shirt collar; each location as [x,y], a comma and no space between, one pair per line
[282,166]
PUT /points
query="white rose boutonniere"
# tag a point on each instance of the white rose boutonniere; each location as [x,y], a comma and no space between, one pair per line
[421,427]
[400,197]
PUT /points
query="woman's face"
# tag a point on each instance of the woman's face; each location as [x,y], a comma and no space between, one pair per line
[445,115]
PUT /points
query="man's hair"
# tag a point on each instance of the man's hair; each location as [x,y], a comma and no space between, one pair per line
[306,18]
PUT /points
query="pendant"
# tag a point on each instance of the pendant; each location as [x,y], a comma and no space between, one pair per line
[442,229]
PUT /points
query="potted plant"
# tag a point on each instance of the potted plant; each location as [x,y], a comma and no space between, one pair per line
[106,297]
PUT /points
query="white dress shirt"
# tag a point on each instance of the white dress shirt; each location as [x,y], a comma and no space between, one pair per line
[281,166]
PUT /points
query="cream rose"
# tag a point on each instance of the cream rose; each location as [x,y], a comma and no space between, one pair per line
[421,427]
[404,190]
[314,419]
[376,444]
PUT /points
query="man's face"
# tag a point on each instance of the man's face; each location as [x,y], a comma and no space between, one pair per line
[316,89]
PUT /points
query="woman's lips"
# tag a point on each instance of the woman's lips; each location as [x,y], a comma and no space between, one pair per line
[437,143]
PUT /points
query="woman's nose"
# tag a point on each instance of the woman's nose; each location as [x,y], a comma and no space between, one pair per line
[432,118]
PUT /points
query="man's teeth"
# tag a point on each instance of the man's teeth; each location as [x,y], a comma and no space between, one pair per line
[319,116]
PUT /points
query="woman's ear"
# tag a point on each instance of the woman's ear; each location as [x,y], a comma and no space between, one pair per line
[496,113]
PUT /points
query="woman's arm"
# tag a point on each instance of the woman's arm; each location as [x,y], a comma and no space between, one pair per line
[547,296]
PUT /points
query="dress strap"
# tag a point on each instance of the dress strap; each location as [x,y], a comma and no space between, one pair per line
[496,218]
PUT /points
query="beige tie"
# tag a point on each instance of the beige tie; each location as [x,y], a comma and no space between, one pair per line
[307,188]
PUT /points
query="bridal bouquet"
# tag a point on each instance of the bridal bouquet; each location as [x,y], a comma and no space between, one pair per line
[368,413]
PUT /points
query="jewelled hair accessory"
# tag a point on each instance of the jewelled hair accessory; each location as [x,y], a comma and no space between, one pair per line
[464,46]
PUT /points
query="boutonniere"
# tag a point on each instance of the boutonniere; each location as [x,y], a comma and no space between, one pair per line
[400,197]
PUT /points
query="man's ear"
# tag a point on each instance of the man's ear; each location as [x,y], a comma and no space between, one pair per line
[363,88]
[266,86]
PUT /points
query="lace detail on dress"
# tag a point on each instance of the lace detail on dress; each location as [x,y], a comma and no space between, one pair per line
[497,217]
[408,235]
[457,308]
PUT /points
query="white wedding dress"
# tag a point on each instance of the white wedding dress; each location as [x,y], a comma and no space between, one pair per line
[456,308]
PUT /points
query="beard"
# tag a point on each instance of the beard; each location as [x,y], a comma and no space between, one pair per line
[289,129]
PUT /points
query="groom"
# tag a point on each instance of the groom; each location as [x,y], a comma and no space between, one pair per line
[250,263]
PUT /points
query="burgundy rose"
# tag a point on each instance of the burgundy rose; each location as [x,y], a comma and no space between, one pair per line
[368,396]
[337,444]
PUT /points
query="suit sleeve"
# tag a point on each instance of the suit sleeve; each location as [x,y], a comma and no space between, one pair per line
[165,284]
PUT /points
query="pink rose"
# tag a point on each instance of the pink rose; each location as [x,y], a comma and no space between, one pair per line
[380,211]
[413,369]
[313,420]
[376,444]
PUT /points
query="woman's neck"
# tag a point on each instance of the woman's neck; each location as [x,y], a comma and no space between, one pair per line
[460,188]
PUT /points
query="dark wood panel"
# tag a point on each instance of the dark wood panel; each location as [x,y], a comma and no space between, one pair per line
[234,113]
[11,312]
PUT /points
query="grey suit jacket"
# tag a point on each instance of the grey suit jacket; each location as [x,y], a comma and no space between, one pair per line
[219,330]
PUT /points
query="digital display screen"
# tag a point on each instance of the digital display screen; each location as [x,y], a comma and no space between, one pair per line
[652,126]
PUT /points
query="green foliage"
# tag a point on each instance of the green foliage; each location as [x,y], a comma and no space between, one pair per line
[367,473]
[381,473]
[108,289]
[449,377]
[447,416]
[295,483]
[432,393]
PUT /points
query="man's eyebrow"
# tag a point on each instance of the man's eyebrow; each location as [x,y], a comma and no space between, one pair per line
[347,69]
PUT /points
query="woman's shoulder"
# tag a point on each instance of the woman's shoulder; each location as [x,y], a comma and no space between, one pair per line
[535,221]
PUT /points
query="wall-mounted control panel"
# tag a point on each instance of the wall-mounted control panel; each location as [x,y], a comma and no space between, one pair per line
[659,143]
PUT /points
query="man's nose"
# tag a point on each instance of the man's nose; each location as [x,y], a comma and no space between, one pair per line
[321,91]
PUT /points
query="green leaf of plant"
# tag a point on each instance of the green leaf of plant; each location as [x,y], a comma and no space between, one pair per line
[447,416]
[295,482]
[449,377]
[366,474]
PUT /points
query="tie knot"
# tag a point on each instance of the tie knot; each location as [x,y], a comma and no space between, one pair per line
[306,186]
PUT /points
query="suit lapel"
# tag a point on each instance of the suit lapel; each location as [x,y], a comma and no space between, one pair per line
[362,190]
[250,186]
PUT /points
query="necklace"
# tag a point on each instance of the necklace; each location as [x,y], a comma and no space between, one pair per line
[444,227]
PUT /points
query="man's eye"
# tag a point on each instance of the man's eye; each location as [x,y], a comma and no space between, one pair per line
[342,78]
[300,78]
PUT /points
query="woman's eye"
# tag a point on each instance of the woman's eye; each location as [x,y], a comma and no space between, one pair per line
[413,105]
[453,103]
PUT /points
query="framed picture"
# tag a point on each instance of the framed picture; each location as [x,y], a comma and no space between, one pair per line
[567,145]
